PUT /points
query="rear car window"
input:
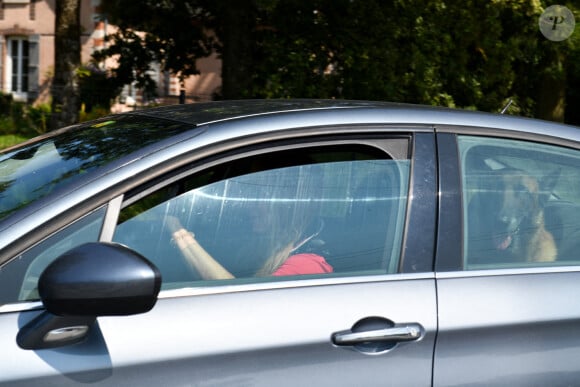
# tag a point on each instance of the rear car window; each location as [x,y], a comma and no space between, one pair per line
[521,203]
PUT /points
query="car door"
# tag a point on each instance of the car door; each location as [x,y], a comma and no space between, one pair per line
[367,317]
[508,311]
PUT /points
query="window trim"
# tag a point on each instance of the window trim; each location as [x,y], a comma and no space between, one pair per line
[422,180]
[291,284]
[22,72]
[110,219]
[420,226]
[547,269]
[189,169]
[449,253]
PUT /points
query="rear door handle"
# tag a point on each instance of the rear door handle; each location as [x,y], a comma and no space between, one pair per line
[398,333]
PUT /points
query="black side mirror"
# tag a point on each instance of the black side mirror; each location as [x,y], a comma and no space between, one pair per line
[99,279]
[91,280]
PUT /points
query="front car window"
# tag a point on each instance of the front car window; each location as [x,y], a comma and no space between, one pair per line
[34,170]
[521,203]
[316,212]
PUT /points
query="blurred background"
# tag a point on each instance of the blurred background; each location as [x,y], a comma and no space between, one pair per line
[65,61]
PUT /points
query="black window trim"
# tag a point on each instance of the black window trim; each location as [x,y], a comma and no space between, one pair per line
[372,140]
[449,250]
[420,228]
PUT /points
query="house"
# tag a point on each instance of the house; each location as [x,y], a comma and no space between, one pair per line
[27,54]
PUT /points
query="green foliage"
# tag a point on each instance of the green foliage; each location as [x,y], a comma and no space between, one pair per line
[20,121]
[97,88]
[5,104]
[18,118]
[39,115]
[96,112]
[10,139]
[472,54]
[173,37]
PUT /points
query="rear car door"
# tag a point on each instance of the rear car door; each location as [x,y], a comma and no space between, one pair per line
[368,317]
[508,266]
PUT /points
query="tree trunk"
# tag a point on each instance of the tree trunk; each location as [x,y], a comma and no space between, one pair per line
[551,98]
[67,59]
[238,48]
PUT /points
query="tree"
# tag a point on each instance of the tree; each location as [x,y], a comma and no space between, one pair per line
[234,23]
[67,59]
[170,33]
[473,54]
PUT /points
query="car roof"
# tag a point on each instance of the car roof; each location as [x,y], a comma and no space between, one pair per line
[211,112]
[294,113]
[287,113]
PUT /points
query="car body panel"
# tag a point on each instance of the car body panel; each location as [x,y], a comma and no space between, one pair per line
[517,329]
[279,336]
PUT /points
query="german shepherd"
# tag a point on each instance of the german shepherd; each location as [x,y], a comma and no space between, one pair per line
[506,219]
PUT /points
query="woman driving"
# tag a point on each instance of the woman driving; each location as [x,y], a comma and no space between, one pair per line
[280,206]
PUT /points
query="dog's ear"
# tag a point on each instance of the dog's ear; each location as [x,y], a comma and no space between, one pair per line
[547,184]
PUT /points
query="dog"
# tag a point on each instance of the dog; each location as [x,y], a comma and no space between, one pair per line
[506,219]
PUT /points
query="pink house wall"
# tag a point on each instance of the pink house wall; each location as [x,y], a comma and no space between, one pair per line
[35,19]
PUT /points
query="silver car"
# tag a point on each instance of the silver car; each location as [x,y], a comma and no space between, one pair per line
[292,243]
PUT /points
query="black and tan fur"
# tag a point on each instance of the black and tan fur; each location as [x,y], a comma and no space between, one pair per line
[508,218]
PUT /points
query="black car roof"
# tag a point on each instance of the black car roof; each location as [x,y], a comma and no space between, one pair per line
[209,112]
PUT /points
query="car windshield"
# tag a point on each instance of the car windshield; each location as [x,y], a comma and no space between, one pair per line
[34,170]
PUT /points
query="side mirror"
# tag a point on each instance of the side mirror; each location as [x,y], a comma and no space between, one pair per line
[99,279]
[91,280]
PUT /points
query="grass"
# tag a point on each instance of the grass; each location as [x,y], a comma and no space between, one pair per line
[11,139]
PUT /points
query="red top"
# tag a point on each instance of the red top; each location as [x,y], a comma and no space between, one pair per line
[304,264]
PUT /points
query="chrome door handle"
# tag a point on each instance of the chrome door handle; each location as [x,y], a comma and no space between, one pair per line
[403,332]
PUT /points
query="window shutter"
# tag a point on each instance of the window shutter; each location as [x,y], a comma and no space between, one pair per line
[33,66]
[1,62]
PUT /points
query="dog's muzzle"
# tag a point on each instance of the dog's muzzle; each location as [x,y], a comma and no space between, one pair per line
[503,241]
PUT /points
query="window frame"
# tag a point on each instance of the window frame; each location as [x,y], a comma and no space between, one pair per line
[417,256]
[17,65]
[449,254]
[419,230]
[380,143]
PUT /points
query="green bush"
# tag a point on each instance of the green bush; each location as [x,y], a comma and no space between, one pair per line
[11,139]
[39,116]
[14,120]
[5,104]
[21,119]
[96,112]
[97,89]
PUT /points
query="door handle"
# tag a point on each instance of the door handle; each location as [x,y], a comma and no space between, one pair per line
[401,332]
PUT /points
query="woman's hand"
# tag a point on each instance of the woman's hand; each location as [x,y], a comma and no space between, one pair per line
[194,254]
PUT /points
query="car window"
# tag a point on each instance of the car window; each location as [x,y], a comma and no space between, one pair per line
[33,170]
[309,212]
[521,203]
[19,277]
